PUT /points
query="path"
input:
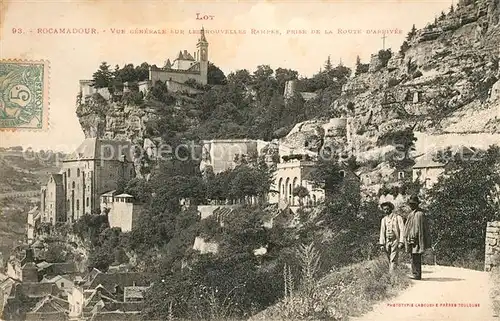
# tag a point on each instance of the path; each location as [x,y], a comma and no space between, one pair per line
[439,285]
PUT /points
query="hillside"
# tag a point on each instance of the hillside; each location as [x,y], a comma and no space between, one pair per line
[23,172]
[22,176]
[443,79]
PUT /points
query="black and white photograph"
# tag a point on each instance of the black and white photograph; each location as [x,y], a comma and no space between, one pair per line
[249,160]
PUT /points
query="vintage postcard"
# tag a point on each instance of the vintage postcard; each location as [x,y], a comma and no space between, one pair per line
[250,160]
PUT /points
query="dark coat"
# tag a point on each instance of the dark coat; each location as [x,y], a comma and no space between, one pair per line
[417,234]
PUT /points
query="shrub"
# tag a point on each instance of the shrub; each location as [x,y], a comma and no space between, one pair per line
[404,48]
[392,82]
[133,98]
[384,56]
[362,69]
[461,203]
[417,74]
[340,295]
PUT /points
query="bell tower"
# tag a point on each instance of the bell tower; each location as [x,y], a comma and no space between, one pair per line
[202,56]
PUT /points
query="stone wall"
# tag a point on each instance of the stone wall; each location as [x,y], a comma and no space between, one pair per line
[179,76]
[492,251]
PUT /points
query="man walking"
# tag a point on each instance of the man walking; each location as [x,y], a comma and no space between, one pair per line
[391,234]
[417,238]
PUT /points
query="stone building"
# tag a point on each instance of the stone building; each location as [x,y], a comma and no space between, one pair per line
[290,174]
[174,74]
[95,167]
[123,211]
[108,296]
[427,171]
[52,200]
[220,154]
[185,66]
[291,90]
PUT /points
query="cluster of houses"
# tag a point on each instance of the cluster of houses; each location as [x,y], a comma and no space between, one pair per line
[34,289]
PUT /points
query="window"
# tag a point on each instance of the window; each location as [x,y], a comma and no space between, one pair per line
[342,173]
[88,203]
[77,172]
[69,172]
[401,175]
[73,184]
[62,284]
[77,205]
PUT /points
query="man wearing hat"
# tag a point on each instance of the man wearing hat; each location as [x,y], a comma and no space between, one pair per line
[391,234]
[417,238]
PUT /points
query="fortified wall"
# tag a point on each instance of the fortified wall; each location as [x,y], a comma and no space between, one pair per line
[492,250]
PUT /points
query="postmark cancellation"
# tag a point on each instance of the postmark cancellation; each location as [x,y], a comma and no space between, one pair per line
[24,95]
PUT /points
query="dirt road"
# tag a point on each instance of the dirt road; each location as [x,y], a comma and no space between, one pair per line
[444,293]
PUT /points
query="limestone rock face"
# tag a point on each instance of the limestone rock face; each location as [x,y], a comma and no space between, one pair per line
[446,81]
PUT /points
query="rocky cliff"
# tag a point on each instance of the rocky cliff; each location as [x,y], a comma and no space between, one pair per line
[444,79]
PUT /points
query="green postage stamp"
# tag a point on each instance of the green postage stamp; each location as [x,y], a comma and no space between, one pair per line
[24,101]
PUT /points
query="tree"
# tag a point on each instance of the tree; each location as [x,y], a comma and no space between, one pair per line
[240,77]
[102,77]
[360,67]
[442,16]
[385,56]
[56,253]
[326,174]
[100,259]
[263,73]
[284,75]
[301,192]
[215,76]
[328,65]
[142,71]
[412,33]
[465,197]
[452,8]
[139,189]
[404,48]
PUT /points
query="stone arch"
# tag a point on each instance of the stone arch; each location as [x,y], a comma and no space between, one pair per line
[287,182]
[294,184]
[280,188]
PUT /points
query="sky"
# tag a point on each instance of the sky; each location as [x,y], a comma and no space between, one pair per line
[76,56]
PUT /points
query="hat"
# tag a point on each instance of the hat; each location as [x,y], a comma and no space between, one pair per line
[414,200]
[387,203]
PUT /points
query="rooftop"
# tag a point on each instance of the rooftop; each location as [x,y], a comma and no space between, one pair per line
[101,149]
[427,162]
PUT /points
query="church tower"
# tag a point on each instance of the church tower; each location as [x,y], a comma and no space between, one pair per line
[202,56]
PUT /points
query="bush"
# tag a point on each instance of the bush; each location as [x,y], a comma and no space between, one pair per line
[417,74]
[362,69]
[392,82]
[384,56]
[133,98]
[404,48]
[340,295]
[461,203]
